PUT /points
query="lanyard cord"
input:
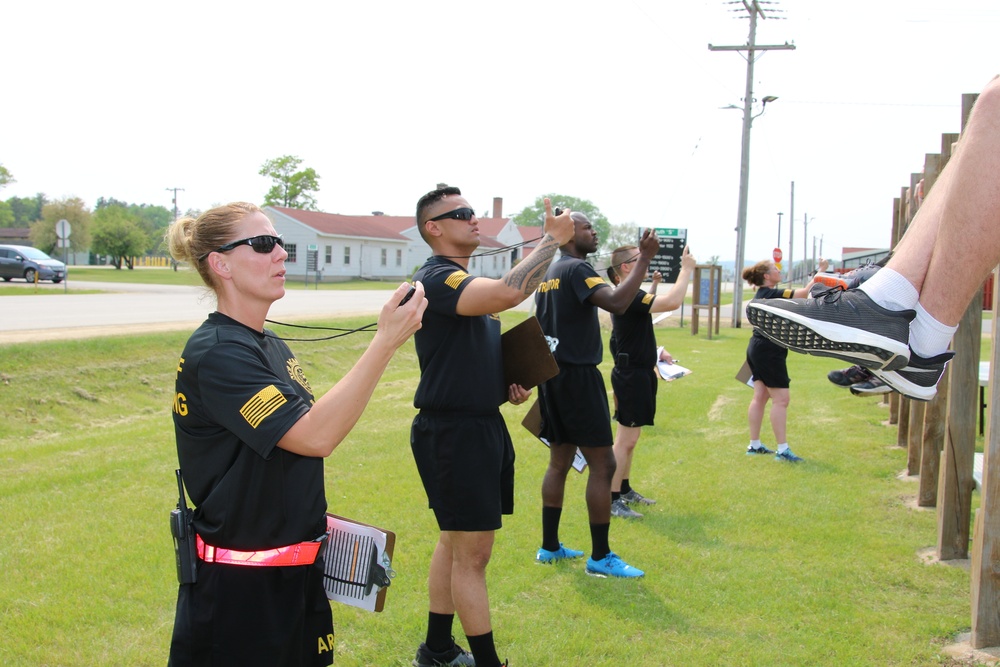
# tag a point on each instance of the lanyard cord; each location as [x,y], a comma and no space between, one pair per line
[344,332]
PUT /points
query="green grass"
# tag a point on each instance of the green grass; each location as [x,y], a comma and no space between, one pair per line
[749,561]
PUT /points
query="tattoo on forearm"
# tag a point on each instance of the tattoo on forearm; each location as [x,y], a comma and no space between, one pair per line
[529,273]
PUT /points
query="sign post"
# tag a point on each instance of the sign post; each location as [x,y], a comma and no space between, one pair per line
[63,230]
[777,257]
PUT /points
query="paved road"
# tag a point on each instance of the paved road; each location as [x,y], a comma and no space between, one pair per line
[123,308]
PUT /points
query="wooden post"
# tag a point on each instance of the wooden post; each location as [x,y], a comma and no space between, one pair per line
[914,439]
[956,484]
[985,584]
[902,435]
[935,414]
[932,432]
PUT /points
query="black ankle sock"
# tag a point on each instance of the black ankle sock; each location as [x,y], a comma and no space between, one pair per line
[439,638]
[550,527]
[483,650]
[615,495]
[599,540]
[625,486]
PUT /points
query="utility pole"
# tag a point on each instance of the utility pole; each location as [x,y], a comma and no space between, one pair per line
[791,236]
[805,243]
[175,191]
[779,229]
[753,8]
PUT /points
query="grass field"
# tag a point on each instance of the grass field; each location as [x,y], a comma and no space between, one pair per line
[749,561]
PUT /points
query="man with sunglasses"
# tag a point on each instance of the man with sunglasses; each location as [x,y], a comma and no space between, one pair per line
[574,404]
[459,439]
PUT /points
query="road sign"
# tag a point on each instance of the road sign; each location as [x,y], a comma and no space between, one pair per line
[777,254]
[668,257]
[63,229]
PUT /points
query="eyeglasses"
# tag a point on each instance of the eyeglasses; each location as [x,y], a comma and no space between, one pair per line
[458,214]
[263,244]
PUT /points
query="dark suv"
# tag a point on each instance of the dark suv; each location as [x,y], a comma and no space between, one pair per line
[19,261]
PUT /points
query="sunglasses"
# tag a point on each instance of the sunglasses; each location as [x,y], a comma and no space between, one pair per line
[262,244]
[458,214]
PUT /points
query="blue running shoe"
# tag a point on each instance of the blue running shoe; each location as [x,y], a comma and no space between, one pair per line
[612,566]
[562,553]
[759,450]
[787,455]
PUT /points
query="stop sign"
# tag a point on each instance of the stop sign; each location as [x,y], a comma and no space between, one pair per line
[777,254]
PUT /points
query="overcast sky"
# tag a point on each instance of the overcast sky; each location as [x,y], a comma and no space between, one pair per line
[617,101]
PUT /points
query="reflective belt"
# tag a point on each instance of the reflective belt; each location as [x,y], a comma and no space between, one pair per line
[303,553]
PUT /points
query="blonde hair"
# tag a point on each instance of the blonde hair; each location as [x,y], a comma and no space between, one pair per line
[755,274]
[190,239]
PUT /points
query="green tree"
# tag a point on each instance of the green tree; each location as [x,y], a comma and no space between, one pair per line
[534,215]
[292,189]
[25,210]
[118,233]
[5,176]
[153,220]
[6,215]
[72,210]
[621,235]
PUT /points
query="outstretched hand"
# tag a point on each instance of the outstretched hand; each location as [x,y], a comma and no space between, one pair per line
[687,259]
[560,227]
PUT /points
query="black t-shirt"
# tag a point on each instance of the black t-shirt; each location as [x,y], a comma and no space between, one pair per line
[461,367]
[237,393]
[632,332]
[567,318]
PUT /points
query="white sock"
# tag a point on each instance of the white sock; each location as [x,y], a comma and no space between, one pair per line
[928,337]
[891,290]
[782,447]
[755,444]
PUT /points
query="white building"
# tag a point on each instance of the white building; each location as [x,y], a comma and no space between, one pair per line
[386,247]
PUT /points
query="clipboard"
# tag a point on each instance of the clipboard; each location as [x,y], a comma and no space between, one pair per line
[533,422]
[744,376]
[357,562]
[527,360]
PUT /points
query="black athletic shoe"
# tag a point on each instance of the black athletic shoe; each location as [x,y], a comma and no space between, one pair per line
[874,386]
[456,656]
[845,325]
[918,379]
[845,377]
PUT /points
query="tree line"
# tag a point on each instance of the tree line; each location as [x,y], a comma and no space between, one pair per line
[123,230]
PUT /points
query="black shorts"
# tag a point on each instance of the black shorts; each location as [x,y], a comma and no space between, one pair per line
[635,389]
[238,615]
[574,406]
[466,463]
[767,362]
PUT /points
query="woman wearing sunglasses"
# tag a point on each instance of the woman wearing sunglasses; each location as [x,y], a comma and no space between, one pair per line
[251,439]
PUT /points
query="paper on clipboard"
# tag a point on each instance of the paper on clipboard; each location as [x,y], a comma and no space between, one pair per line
[533,422]
[527,360]
[357,563]
[670,372]
[744,375]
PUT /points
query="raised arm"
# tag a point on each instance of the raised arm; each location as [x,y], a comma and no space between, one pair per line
[493,295]
[673,299]
[618,299]
[331,418]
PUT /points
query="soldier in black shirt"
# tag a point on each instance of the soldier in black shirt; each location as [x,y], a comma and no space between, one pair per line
[767,362]
[574,404]
[459,439]
[634,378]
[251,440]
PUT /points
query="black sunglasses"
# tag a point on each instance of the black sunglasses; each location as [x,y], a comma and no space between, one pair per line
[458,214]
[263,244]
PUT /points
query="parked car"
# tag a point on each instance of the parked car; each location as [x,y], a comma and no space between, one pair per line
[19,261]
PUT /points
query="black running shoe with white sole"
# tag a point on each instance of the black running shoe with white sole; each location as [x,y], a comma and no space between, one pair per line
[841,324]
[918,379]
[871,387]
[845,377]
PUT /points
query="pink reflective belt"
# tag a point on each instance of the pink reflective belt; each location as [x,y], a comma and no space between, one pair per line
[303,553]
